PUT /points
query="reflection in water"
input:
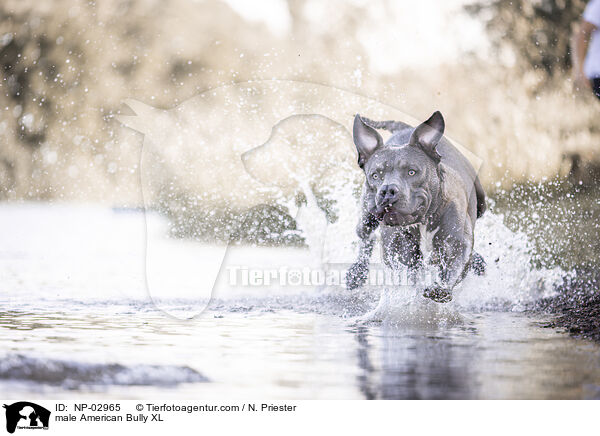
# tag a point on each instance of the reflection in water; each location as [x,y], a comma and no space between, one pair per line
[500,356]
[364,363]
[413,366]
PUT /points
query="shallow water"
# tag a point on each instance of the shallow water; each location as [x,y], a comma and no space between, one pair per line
[76,319]
[283,354]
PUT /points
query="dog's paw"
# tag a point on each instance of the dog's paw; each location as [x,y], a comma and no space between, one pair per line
[438,294]
[356,276]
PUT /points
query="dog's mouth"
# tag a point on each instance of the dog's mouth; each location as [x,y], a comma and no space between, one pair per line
[400,214]
[393,217]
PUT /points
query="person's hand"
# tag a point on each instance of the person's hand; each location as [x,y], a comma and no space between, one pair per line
[580,82]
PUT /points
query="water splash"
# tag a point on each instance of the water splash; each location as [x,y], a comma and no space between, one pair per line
[511,282]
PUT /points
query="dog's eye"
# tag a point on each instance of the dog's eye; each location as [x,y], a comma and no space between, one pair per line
[411,172]
[375,176]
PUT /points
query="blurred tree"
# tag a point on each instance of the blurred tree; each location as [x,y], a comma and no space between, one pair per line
[537,31]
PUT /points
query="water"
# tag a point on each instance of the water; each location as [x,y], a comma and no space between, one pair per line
[77,320]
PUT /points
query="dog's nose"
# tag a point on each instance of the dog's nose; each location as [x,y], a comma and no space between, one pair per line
[388,194]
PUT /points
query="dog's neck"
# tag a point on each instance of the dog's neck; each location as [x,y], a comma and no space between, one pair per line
[433,214]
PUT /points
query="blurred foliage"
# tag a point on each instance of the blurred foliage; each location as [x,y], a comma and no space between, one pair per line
[66,66]
[537,31]
[192,218]
[561,220]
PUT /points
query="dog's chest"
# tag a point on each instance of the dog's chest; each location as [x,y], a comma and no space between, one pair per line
[426,243]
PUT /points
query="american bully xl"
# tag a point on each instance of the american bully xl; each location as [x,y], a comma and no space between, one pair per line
[418,187]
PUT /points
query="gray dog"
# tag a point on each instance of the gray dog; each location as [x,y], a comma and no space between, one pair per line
[420,189]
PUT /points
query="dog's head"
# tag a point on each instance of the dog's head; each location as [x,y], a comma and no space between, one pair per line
[403,178]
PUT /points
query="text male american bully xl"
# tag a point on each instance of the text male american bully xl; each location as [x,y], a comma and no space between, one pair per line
[418,187]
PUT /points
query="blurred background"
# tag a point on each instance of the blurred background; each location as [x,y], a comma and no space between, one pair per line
[498,70]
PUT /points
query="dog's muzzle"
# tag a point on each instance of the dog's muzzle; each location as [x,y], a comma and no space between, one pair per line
[387,195]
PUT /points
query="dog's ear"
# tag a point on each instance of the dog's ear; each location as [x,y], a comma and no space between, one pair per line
[366,139]
[428,134]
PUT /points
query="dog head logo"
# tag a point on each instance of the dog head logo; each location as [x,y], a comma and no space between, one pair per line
[26,415]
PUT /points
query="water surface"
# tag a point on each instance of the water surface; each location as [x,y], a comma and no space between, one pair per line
[76,320]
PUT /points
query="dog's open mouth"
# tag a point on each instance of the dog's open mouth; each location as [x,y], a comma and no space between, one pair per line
[392,218]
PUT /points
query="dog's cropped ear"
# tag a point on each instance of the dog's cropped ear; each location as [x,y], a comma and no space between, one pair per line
[428,134]
[366,139]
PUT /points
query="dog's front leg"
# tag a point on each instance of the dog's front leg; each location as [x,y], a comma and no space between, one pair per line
[453,250]
[359,271]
